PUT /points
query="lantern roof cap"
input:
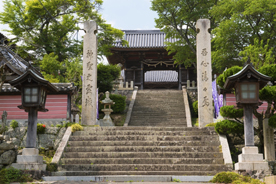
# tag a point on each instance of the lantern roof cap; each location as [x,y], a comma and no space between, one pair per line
[247,72]
[37,78]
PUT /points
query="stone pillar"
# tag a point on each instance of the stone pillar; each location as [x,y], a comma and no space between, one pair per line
[32,128]
[204,73]
[89,88]
[188,84]
[269,146]
[248,126]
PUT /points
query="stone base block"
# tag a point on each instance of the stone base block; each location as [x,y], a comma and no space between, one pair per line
[253,166]
[23,159]
[29,166]
[250,150]
[106,123]
[270,180]
[30,151]
[251,157]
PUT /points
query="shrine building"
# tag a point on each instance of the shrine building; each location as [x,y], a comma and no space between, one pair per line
[146,61]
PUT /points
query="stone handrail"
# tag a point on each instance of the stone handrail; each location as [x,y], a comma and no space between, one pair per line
[225,150]
[61,147]
[130,107]
[187,107]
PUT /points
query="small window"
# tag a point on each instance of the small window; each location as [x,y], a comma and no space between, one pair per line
[248,91]
[30,95]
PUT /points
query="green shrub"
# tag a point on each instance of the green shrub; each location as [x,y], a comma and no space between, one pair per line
[234,178]
[59,126]
[41,128]
[105,75]
[13,175]
[229,127]
[230,71]
[120,103]
[76,127]
[68,124]
[211,125]
[14,124]
[195,107]
[272,121]
[231,112]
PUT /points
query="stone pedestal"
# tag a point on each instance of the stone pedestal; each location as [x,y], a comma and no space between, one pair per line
[250,159]
[107,121]
[29,160]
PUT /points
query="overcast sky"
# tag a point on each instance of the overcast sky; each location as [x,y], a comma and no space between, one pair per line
[121,14]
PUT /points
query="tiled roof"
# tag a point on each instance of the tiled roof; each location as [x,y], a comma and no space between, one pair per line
[15,63]
[144,39]
[161,76]
[62,87]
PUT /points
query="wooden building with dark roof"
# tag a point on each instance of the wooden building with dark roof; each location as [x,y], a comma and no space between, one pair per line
[58,103]
[146,61]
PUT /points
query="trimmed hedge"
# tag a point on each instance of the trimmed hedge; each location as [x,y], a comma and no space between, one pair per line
[231,112]
[229,127]
[120,103]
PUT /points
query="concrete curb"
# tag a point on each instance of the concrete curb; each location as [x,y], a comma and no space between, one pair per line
[61,146]
[225,150]
[130,107]
[130,178]
[187,107]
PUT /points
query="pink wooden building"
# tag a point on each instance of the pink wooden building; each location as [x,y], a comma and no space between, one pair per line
[59,104]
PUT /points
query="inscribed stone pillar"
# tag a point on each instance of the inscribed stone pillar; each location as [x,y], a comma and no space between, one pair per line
[204,72]
[89,88]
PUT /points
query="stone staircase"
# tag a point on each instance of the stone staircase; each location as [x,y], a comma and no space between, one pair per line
[159,108]
[142,151]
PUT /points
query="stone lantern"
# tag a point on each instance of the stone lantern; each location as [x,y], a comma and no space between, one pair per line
[107,102]
[34,89]
[247,84]
[116,84]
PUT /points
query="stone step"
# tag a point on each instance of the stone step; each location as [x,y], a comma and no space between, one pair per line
[141,167]
[144,138]
[174,173]
[143,149]
[142,161]
[87,128]
[182,123]
[143,143]
[157,120]
[141,155]
[159,125]
[141,132]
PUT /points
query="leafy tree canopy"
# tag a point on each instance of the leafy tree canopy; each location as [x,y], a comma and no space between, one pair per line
[241,29]
[177,18]
[243,25]
[230,71]
[45,27]
[106,75]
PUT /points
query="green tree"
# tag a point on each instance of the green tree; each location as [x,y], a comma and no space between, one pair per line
[45,27]
[106,75]
[243,25]
[177,18]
